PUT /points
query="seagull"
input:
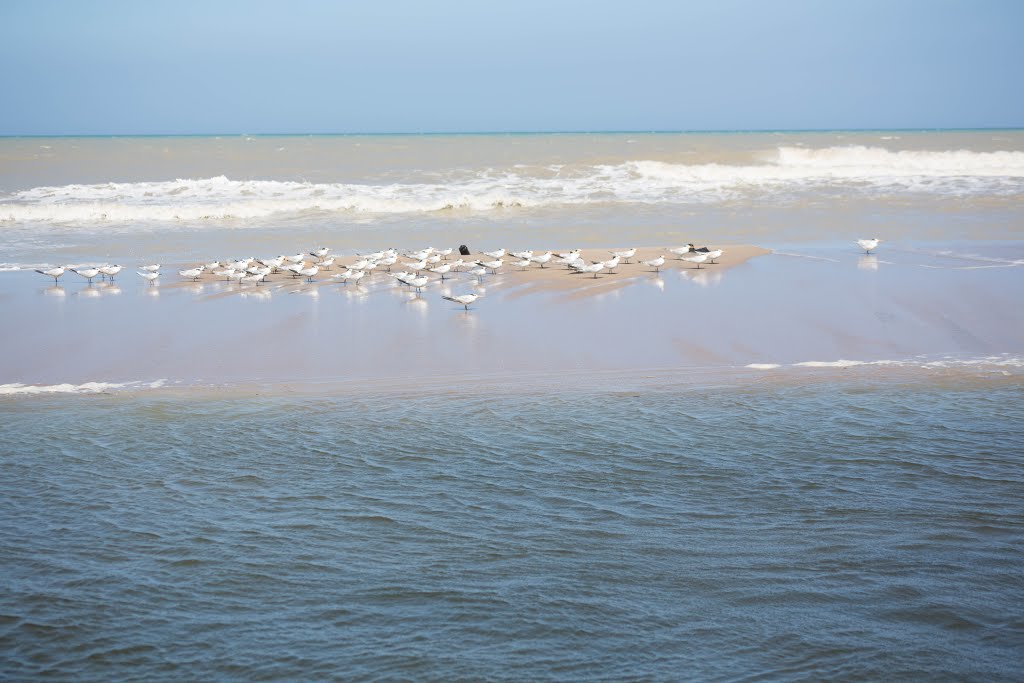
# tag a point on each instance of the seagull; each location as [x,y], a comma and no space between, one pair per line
[110,271]
[494,254]
[868,245]
[152,268]
[463,299]
[714,253]
[542,258]
[52,272]
[625,255]
[89,273]
[594,268]
[655,263]
[193,273]
[148,275]
[441,270]
[697,257]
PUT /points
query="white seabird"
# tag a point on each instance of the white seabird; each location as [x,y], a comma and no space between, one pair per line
[594,268]
[868,245]
[463,299]
[542,258]
[192,273]
[714,253]
[696,257]
[655,263]
[625,255]
[52,272]
[494,254]
[153,267]
[110,271]
[442,270]
[150,276]
[88,273]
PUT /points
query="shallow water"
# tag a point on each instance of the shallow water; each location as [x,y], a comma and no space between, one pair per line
[855,530]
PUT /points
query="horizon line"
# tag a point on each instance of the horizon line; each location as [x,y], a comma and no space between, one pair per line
[519,132]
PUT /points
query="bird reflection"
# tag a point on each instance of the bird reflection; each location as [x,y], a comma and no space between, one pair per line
[867,262]
[55,290]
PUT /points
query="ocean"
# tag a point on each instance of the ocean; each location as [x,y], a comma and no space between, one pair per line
[801,464]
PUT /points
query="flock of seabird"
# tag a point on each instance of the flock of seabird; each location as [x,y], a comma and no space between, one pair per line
[416,268]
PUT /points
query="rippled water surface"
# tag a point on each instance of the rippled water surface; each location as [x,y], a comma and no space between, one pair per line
[854,530]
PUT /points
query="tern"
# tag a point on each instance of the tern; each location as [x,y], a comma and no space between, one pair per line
[327,263]
[320,252]
[445,253]
[463,299]
[492,265]
[568,259]
[256,278]
[457,263]
[479,272]
[714,253]
[418,282]
[868,245]
[375,256]
[309,273]
[594,268]
[52,272]
[494,254]
[696,257]
[655,263]
[418,265]
[193,273]
[213,265]
[148,275]
[610,264]
[110,271]
[524,264]
[525,255]
[542,258]
[387,262]
[571,255]
[433,259]
[679,251]
[624,255]
[442,269]
[153,267]
[89,273]
[296,258]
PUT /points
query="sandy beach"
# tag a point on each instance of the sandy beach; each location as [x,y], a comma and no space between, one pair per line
[756,311]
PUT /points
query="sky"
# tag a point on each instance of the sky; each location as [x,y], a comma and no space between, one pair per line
[380,66]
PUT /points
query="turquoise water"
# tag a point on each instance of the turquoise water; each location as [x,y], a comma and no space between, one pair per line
[853,529]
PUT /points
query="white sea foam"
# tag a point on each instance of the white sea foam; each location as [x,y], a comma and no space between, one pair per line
[763,366]
[86,388]
[778,172]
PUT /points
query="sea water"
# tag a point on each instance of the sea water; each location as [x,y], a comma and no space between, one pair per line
[807,467]
[843,529]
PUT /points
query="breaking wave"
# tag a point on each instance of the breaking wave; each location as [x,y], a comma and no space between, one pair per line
[778,173]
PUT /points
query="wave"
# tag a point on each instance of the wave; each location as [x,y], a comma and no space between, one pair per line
[86,388]
[777,173]
[1002,361]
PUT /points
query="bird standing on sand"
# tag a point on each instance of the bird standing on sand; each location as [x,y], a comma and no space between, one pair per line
[594,268]
[655,263]
[152,268]
[696,257]
[542,258]
[680,251]
[148,275]
[714,253]
[193,273]
[110,271]
[625,255]
[464,299]
[868,245]
[494,254]
[88,273]
[492,265]
[55,273]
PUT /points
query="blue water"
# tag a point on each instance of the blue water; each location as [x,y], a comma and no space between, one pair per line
[853,529]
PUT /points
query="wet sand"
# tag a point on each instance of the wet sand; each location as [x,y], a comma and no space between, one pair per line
[755,308]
